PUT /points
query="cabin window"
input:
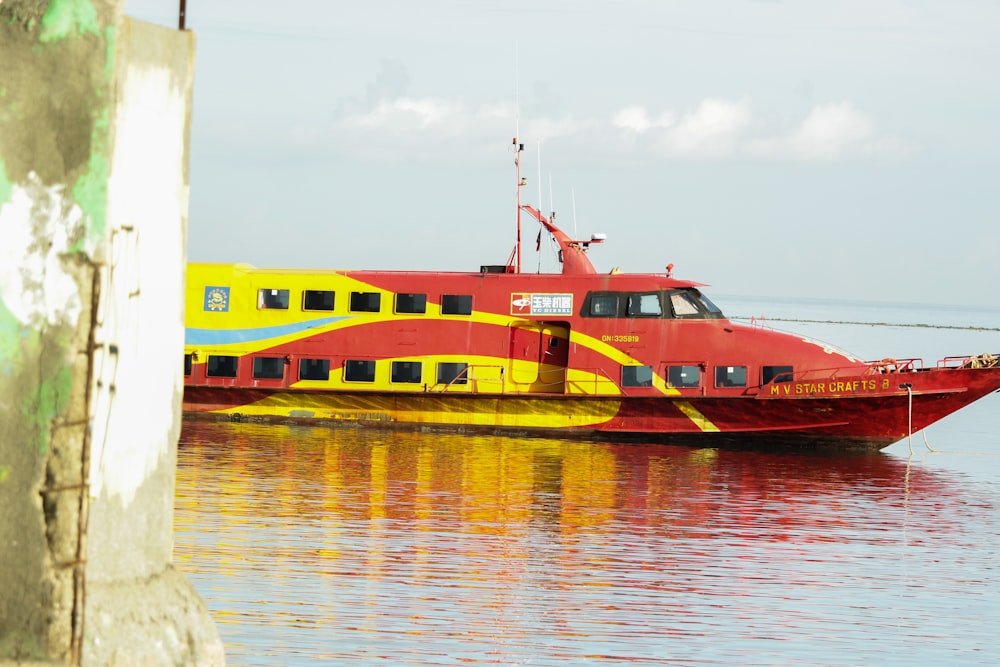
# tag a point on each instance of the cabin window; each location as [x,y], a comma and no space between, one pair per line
[730,376]
[777,374]
[684,376]
[604,305]
[411,303]
[637,376]
[644,305]
[456,304]
[268,368]
[452,373]
[188,362]
[366,302]
[219,366]
[406,371]
[356,370]
[272,299]
[314,369]
[709,306]
[683,305]
[317,300]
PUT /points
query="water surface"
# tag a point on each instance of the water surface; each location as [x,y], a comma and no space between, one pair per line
[316,545]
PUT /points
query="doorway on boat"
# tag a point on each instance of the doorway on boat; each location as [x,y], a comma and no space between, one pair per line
[539,353]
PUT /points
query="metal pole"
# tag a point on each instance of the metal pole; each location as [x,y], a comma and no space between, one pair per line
[180,21]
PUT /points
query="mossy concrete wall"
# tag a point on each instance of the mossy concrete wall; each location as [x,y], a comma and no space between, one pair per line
[94,127]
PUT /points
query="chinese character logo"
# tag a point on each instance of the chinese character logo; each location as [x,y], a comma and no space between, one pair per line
[520,304]
[217,299]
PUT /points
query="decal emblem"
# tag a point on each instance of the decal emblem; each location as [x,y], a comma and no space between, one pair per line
[522,303]
[217,299]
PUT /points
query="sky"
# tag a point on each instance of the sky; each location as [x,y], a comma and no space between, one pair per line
[799,148]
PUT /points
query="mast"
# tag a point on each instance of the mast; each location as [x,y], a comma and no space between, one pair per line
[521,182]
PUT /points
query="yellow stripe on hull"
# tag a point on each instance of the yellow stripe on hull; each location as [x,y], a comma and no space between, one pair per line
[695,416]
[501,411]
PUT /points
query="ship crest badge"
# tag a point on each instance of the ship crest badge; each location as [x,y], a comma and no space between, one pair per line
[217,299]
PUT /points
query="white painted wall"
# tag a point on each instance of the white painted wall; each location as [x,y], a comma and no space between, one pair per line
[136,417]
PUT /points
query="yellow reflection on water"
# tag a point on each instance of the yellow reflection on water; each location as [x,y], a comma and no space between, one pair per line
[354,532]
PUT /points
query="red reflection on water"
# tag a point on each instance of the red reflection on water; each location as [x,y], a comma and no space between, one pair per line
[502,486]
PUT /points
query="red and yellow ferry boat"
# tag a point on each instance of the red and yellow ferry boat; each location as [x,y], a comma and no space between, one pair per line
[574,354]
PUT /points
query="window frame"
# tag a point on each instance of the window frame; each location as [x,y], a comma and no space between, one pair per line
[368,363]
[396,369]
[369,297]
[305,298]
[635,380]
[456,304]
[262,371]
[214,358]
[272,298]
[681,367]
[422,305]
[325,363]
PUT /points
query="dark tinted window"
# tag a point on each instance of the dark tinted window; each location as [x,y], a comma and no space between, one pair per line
[272,298]
[188,360]
[452,372]
[221,366]
[406,371]
[604,305]
[684,376]
[411,303]
[730,376]
[456,304]
[637,376]
[317,300]
[777,374]
[366,302]
[359,370]
[314,369]
[268,368]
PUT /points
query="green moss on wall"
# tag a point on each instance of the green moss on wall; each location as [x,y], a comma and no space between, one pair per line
[66,17]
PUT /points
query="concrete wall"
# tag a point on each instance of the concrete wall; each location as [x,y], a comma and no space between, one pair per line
[94,127]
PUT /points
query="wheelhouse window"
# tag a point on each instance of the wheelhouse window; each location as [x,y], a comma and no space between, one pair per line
[644,305]
[406,371]
[730,376]
[637,376]
[366,302]
[272,299]
[359,370]
[713,310]
[684,304]
[411,303]
[188,363]
[317,300]
[221,366]
[456,304]
[777,374]
[314,369]
[268,368]
[684,376]
[452,373]
[604,305]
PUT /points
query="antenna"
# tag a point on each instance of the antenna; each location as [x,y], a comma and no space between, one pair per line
[573,193]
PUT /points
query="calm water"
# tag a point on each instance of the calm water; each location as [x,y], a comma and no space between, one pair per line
[316,546]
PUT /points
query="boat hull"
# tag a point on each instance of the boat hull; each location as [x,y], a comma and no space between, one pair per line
[758,419]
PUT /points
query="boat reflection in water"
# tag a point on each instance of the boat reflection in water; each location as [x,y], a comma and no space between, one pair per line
[434,549]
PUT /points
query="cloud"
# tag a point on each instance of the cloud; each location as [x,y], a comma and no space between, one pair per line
[713,129]
[435,128]
[828,133]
